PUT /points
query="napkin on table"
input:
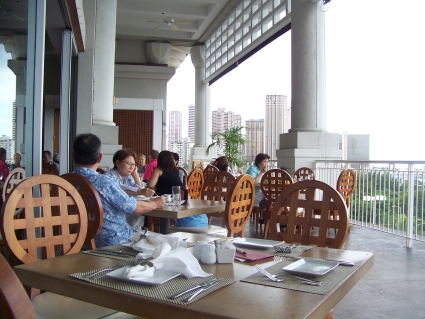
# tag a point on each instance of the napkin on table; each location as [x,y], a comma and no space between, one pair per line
[178,260]
[152,240]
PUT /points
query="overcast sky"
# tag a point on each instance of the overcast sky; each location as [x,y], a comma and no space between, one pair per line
[375,77]
[375,69]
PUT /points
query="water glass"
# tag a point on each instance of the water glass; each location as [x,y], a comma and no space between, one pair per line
[176,195]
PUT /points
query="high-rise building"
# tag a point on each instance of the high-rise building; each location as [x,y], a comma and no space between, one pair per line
[222,120]
[192,123]
[355,147]
[175,128]
[183,149]
[254,130]
[278,121]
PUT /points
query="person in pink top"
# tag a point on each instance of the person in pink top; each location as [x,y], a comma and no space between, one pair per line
[4,170]
[153,162]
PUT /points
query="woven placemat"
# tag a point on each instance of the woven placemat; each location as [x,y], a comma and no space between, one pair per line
[329,281]
[125,249]
[160,292]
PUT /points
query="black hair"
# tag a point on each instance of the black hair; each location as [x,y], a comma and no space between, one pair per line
[122,155]
[260,157]
[86,149]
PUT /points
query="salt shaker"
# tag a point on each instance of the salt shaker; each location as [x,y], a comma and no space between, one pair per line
[208,255]
[198,249]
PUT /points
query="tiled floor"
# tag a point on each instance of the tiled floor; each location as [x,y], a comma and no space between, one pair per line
[393,288]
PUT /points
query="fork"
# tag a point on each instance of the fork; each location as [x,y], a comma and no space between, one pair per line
[108,269]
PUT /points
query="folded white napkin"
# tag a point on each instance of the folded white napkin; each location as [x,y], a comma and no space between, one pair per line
[152,240]
[178,260]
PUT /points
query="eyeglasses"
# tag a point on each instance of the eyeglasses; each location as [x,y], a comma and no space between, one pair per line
[130,164]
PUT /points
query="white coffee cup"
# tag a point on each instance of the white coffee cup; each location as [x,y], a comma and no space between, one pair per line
[168,198]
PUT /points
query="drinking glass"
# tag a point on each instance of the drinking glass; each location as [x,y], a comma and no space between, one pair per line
[176,195]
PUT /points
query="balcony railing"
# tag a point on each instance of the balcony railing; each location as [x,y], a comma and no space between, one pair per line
[389,195]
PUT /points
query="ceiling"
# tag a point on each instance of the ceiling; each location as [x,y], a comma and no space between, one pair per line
[194,20]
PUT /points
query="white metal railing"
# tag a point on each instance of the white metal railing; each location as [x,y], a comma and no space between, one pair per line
[389,195]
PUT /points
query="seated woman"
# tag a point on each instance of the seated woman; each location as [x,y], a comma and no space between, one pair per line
[125,174]
[141,165]
[163,178]
[257,171]
[222,164]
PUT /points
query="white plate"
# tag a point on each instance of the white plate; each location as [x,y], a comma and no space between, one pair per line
[312,267]
[129,244]
[160,276]
[255,243]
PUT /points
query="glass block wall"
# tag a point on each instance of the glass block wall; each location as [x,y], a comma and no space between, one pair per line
[246,26]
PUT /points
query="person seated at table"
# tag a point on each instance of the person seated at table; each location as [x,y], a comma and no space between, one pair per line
[163,178]
[48,166]
[153,162]
[16,161]
[176,160]
[141,165]
[222,164]
[4,170]
[257,171]
[116,203]
[125,174]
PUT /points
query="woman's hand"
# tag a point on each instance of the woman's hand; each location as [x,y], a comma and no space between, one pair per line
[147,192]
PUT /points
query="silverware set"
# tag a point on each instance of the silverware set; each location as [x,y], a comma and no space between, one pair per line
[276,279]
[200,288]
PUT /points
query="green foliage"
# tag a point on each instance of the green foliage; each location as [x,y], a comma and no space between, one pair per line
[231,141]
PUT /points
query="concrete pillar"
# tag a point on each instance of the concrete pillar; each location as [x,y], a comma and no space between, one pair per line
[17,47]
[307,139]
[203,124]
[104,62]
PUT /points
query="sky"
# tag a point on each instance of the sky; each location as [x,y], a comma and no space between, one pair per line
[375,76]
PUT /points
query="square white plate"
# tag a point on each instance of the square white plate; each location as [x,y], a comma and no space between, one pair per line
[160,276]
[255,243]
[312,267]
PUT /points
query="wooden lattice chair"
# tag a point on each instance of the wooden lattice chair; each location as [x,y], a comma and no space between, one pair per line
[14,178]
[93,205]
[273,182]
[304,173]
[40,228]
[210,169]
[195,180]
[216,187]
[345,185]
[307,229]
[239,205]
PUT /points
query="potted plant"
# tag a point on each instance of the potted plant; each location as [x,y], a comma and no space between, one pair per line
[231,142]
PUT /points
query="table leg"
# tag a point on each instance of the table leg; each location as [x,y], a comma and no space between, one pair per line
[164,225]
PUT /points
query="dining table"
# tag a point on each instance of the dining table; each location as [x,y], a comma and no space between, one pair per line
[193,207]
[240,299]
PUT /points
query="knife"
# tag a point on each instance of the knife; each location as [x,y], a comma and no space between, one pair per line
[206,284]
[113,252]
[190,298]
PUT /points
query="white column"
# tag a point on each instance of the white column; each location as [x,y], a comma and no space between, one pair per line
[308,66]
[307,140]
[104,62]
[202,105]
[203,124]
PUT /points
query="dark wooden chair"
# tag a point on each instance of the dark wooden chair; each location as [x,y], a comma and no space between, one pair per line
[239,205]
[216,187]
[273,182]
[304,173]
[93,205]
[210,169]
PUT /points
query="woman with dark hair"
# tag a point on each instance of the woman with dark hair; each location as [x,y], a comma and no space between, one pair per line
[163,178]
[257,171]
[125,174]
[222,164]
